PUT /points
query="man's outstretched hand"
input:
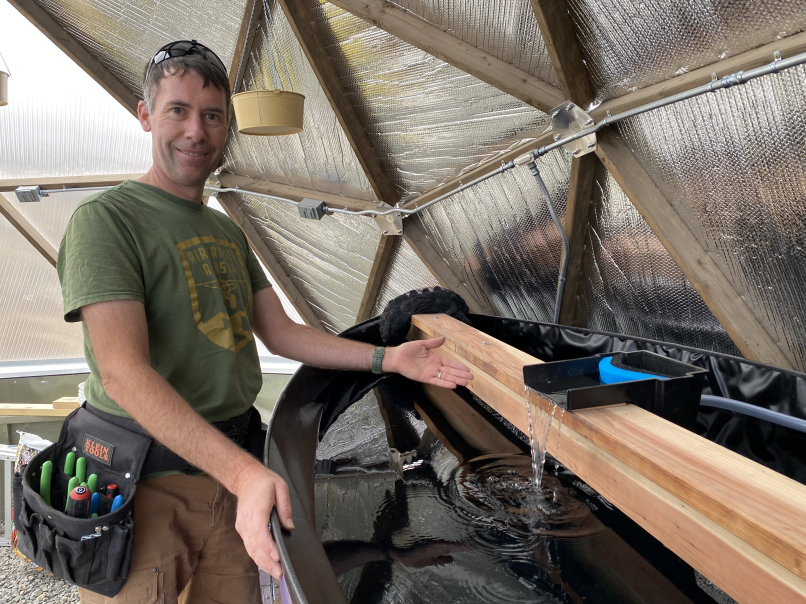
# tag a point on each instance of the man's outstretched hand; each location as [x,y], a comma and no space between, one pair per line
[415,361]
[259,490]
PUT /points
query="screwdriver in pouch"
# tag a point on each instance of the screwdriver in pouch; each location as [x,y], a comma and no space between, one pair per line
[70,486]
[81,469]
[111,491]
[70,464]
[95,503]
[44,481]
[92,483]
[78,503]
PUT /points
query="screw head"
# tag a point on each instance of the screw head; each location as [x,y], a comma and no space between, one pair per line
[484,343]
[385,232]
[557,137]
[589,122]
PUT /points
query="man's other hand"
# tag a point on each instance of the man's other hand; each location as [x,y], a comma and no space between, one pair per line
[415,361]
[259,490]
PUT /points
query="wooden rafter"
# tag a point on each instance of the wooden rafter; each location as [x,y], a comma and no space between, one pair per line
[416,31]
[27,230]
[722,297]
[278,273]
[709,505]
[253,13]
[42,20]
[375,278]
[67,182]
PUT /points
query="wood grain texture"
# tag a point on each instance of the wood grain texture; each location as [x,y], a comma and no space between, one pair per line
[278,273]
[709,505]
[376,274]
[34,410]
[45,23]
[252,15]
[27,230]
[304,28]
[722,297]
[418,242]
[416,31]
[69,182]
[293,192]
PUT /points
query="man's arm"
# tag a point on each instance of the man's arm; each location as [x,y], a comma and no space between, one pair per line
[301,343]
[119,336]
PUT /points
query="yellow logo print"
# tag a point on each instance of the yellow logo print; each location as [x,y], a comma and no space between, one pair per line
[220,294]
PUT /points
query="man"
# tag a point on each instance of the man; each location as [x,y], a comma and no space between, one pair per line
[170,296]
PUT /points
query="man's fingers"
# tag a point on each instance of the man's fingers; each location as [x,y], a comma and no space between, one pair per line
[283,506]
[457,365]
[456,375]
[433,343]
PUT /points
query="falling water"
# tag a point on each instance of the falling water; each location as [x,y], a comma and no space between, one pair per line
[539,428]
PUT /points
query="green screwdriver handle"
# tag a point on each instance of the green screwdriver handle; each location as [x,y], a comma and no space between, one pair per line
[81,469]
[70,486]
[70,464]
[44,481]
[92,483]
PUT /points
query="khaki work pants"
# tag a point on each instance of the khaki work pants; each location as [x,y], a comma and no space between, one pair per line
[186,548]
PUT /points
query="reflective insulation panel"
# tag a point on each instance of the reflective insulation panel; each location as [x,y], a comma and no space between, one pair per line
[731,163]
[629,45]
[427,120]
[499,239]
[125,35]
[71,136]
[31,316]
[329,260]
[632,286]
[357,436]
[320,157]
[505,30]
[404,272]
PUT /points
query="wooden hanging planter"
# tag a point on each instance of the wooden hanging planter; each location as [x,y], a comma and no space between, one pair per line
[3,88]
[268,112]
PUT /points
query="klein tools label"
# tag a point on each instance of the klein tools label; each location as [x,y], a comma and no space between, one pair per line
[98,449]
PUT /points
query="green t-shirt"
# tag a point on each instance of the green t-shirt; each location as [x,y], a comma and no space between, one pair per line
[192,268]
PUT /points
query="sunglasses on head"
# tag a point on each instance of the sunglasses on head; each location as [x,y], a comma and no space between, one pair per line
[183,48]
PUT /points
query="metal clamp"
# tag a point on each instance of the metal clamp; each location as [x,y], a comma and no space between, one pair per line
[390,224]
[568,119]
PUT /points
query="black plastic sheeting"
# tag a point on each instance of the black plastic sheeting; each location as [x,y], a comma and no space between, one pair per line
[314,398]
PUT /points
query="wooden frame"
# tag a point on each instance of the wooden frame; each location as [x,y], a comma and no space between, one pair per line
[27,230]
[382,255]
[707,504]
[253,13]
[42,20]
[278,273]
[66,182]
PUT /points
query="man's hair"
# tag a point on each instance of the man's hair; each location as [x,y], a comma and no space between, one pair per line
[179,66]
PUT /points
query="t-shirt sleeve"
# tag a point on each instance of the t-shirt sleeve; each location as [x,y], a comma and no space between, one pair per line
[256,274]
[98,260]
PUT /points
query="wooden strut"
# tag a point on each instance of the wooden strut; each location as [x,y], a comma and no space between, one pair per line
[27,230]
[740,524]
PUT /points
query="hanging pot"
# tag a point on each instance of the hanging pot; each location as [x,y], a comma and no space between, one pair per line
[268,112]
[3,88]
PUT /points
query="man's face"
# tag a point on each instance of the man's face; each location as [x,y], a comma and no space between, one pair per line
[188,128]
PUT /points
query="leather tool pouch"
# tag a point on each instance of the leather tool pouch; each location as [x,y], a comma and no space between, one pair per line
[93,553]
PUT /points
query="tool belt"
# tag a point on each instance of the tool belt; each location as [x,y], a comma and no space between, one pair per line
[96,553]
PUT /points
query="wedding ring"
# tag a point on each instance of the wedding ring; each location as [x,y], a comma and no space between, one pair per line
[439,375]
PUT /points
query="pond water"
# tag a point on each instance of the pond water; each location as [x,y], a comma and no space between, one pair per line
[431,499]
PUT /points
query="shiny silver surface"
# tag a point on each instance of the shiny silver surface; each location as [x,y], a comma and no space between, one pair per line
[404,272]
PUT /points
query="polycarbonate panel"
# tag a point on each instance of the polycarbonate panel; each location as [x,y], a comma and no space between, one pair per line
[629,45]
[632,286]
[70,137]
[320,157]
[125,35]
[499,239]
[427,120]
[505,30]
[51,215]
[31,315]
[737,180]
[404,272]
[329,260]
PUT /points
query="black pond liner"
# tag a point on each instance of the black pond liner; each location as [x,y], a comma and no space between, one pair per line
[314,398]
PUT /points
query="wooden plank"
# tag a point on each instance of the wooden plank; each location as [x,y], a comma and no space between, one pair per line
[416,31]
[45,23]
[721,296]
[305,29]
[67,182]
[27,230]
[253,13]
[750,59]
[278,273]
[293,192]
[709,505]
[438,267]
[34,410]
[66,402]
[577,213]
[376,274]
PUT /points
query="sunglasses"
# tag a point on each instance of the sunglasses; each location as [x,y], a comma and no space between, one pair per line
[182,48]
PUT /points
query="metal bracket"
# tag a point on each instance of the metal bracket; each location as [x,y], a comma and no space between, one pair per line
[390,224]
[568,119]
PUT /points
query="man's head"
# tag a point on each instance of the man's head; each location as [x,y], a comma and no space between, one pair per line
[186,109]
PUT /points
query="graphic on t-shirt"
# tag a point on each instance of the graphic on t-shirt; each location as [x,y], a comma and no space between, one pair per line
[220,292]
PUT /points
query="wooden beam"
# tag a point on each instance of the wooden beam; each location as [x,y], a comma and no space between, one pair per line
[27,230]
[577,214]
[305,29]
[262,250]
[757,57]
[722,297]
[293,192]
[45,23]
[416,31]
[68,182]
[438,267]
[382,255]
[253,13]
[707,504]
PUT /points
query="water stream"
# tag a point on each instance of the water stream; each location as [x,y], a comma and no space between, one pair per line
[539,429]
